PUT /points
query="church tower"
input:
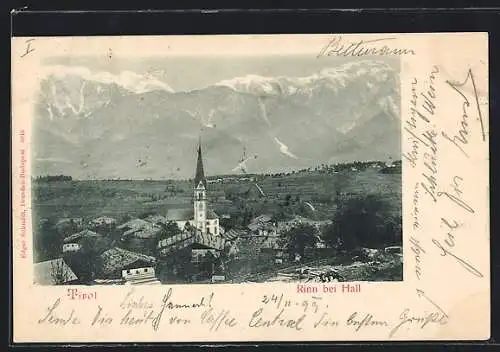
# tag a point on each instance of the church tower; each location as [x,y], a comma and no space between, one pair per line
[200,196]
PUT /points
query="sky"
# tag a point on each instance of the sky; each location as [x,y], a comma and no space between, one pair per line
[190,73]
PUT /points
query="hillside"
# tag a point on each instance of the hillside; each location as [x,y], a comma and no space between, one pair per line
[89,199]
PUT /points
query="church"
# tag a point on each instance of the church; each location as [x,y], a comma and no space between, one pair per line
[199,216]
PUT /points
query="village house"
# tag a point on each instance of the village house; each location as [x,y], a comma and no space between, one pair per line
[156,219]
[65,225]
[80,235]
[54,272]
[176,242]
[389,163]
[234,233]
[119,263]
[75,221]
[200,244]
[135,224]
[217,180]
[263,226]
[73,243]
[284,226]
[71,247]
[140,228]
[183,217]
[140,276]
[102,221]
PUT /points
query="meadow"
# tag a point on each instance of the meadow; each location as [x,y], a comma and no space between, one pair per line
[312,194]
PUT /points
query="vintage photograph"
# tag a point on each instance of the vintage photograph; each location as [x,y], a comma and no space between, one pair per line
[199,169]
[230,188]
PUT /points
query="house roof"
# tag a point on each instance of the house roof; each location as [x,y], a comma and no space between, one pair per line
[184,236]
[209,240]
[45,272]
[66,221]
[259,222]
[147,233]
[106,219]
[156,218]
[263,218]
[135,223]
[233,233]
[130,231]
[118,258]
[79,235]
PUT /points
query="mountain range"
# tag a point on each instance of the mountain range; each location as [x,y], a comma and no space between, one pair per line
[100,125]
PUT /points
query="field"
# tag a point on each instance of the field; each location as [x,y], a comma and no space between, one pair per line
[290,193]
[317,195]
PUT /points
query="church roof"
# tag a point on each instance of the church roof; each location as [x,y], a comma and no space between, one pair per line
[200,173]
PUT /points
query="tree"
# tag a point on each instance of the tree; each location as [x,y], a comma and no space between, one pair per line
[47,240]
[168,230]
[86,262]
[177,265]
[299,238]
[364,221]
[59,272]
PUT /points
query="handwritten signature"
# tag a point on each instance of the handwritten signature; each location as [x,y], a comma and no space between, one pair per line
[337,47]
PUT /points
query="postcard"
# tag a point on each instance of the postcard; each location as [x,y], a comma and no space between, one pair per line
[233,188]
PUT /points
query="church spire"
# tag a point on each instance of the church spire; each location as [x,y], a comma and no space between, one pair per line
[200,174]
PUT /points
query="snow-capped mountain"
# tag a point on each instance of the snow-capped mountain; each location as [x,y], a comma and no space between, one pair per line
[368,82]
[334,79]
[77,91]
[350,112]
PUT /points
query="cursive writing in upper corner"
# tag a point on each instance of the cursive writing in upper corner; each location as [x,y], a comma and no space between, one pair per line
[29,48]
[373,47]
[461,138]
